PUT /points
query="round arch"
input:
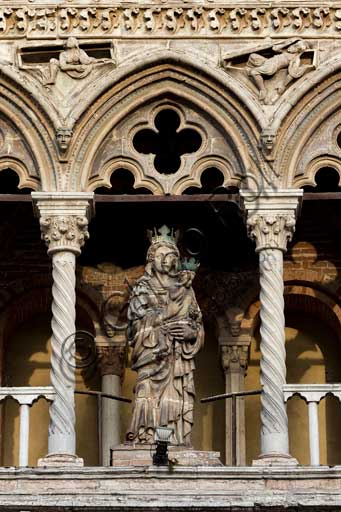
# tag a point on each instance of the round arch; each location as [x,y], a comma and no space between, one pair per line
[294,294]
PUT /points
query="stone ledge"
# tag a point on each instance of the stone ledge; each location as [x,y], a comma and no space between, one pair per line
[201,488]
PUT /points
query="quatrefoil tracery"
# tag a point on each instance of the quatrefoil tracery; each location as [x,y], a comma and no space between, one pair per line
[166,142]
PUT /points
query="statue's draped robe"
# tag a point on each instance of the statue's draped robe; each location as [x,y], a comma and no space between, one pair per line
[164,392]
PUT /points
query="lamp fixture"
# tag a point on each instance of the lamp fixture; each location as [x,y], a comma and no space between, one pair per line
[162,440]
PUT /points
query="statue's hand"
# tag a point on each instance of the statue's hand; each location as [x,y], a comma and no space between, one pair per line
[182,332]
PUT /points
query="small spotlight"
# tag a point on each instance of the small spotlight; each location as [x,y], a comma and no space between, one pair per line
[162,440]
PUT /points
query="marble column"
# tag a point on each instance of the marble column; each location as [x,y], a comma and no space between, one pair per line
[111,359]
[271,220]
[234,357]
[64,221]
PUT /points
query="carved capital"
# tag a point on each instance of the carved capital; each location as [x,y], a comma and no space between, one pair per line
[271,216]
[234,358]
[271,230]
[64,219]
[111,359]
[63,233]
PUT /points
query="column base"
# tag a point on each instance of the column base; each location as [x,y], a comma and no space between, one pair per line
[275,459]
[53,460]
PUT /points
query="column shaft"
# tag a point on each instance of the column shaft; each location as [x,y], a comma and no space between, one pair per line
[274,421]
[110,416]
[62,438]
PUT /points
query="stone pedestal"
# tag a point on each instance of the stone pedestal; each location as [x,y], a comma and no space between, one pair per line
[60,460]
[141,455]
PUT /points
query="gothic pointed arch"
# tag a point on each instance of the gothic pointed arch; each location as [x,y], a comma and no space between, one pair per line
[204,103]
[308,125]
[26,136]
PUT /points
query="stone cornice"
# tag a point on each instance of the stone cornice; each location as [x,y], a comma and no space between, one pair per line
[63,219]
[54,20]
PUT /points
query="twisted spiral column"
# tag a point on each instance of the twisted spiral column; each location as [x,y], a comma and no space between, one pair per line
[62,411]
[64,221]
[274,420]
[271,222]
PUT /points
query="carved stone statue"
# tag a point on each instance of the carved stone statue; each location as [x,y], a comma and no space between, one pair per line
[165,332]
[73,61]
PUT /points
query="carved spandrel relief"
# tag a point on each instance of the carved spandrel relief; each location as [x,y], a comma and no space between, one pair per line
[72,61]
[272,67]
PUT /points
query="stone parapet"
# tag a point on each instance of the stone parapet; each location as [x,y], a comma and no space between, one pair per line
[205,488]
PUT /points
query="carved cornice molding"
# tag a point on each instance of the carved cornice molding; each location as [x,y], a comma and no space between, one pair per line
[235,357]
[64,219]
[111,359]
[51,20]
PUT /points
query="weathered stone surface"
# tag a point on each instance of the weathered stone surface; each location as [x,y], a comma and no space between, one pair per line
[93,489]
[137,455]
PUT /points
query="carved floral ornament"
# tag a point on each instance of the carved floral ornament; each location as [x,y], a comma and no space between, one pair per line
[103,21]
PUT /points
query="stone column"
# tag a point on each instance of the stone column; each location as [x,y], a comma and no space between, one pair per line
[234,357]
[64,224]
[111,360]
[271,220]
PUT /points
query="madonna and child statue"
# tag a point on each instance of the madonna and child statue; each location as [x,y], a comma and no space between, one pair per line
[165,332]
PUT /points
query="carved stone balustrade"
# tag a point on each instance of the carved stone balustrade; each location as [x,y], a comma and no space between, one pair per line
[26,396]
[312,394]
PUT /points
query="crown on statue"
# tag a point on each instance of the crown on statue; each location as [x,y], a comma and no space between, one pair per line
[163,234]
[190,264]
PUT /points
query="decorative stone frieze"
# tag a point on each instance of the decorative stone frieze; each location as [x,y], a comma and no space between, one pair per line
[103,21]
[111,359]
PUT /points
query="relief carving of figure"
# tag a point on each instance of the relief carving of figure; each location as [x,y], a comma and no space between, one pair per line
[288,58]
[288,61]
[73,61]
[165,332]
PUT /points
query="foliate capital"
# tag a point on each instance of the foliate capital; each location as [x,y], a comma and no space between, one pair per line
[111,359]
[234,358]
[271,230]
[64,233]
[64,219]
[271,216]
